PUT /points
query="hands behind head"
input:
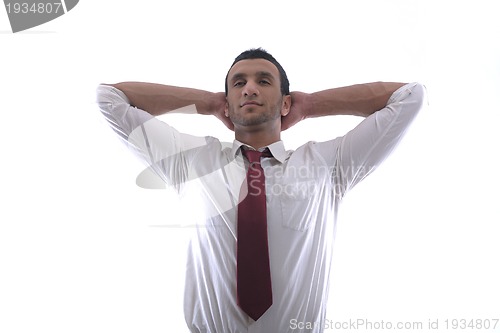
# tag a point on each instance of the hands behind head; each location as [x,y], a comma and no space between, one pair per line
[300,108]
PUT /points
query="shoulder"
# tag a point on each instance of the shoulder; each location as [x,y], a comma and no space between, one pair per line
[320,151]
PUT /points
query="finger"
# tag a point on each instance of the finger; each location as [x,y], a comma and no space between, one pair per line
[229,124]
[284,123]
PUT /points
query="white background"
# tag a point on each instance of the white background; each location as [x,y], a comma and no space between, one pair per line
[83,249]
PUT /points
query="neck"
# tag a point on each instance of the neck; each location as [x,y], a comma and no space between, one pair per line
[258,136]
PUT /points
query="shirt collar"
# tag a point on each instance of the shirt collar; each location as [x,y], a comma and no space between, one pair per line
[277,149]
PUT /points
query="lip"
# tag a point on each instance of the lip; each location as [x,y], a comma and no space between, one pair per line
[251,103]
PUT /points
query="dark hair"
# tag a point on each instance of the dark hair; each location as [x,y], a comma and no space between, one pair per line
[260,53]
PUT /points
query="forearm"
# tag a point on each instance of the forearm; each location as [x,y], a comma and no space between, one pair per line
[357,100]
[158,99]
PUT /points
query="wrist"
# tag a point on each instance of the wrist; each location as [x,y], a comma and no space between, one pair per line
[215,103]
[310,106]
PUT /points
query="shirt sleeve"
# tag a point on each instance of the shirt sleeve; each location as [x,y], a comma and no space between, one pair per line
[165,150]
[361,150]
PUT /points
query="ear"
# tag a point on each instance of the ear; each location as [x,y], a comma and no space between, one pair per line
[226,109]
[286,105]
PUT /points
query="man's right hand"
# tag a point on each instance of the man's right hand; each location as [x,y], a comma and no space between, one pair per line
[218,109]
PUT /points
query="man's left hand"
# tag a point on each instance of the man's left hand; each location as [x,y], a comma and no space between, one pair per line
[301,107]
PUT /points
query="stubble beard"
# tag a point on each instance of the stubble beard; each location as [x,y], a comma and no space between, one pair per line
[252,120]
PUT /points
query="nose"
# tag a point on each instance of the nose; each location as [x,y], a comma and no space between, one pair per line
[250,89]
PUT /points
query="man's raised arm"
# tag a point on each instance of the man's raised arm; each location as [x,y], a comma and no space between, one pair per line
[157,99]
[356,100]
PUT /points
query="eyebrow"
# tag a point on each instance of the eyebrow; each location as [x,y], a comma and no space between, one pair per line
[238,76]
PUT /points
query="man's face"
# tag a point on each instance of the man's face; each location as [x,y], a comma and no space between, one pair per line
[254,95]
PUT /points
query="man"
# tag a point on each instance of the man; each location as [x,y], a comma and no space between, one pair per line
[260,263]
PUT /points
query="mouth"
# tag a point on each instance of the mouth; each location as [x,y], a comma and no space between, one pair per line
[254,103]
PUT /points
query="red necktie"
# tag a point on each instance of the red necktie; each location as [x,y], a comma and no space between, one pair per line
[253,271]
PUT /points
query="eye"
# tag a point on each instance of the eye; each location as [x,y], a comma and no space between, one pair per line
[264,82]
[238,83]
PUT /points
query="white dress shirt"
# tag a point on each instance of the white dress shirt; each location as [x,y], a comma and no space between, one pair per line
[303,191]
